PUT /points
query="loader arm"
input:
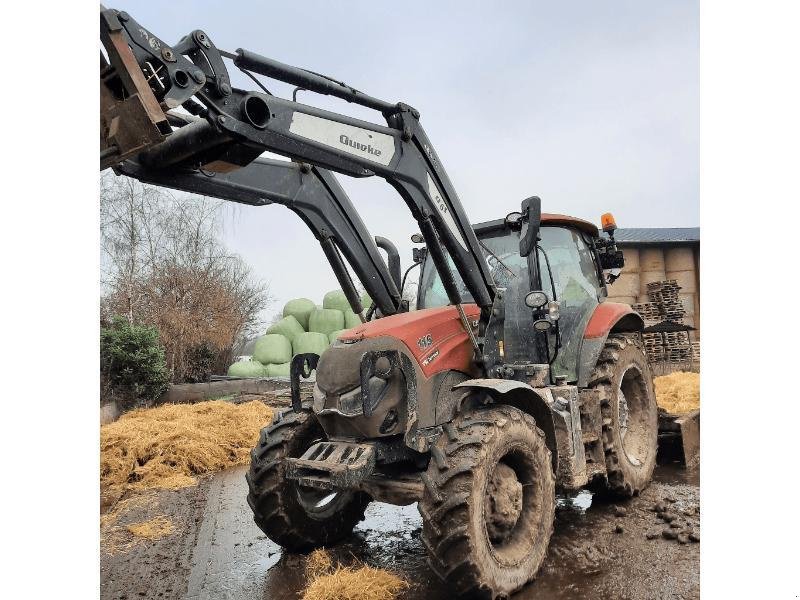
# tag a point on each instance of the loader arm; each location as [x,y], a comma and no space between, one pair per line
[311,193]
[238,125]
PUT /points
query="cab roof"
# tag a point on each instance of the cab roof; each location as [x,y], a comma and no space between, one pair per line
[548,219]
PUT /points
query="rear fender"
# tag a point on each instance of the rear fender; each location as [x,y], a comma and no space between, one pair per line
[607,318]
[522,396]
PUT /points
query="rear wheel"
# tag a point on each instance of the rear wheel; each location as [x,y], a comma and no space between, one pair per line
[489,502]
[298,518]
[630,416]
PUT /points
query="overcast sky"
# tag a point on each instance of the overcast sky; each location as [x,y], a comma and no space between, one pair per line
[593,106]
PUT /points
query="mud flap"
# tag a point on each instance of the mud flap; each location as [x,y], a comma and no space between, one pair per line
[679,438]
[333,465]
[689,425]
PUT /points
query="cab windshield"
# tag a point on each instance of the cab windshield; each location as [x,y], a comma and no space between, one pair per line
[576,281]
[571,260]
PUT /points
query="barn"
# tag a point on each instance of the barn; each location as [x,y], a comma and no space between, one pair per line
[654,254]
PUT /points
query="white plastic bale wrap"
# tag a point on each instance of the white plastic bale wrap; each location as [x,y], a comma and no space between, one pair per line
[679,259]
[626,285]
[651,259]
[631,256]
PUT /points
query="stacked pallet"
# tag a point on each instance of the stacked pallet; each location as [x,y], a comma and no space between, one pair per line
[665,294]
[676,346]
[696,351]
[650,312]
[665,305]
[653,346]
[653,342]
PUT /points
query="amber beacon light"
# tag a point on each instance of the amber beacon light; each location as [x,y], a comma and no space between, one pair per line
[608,222]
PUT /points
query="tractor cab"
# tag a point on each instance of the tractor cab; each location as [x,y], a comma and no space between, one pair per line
[566,265]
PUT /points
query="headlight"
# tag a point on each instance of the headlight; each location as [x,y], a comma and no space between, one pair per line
[541,325]
[535,299]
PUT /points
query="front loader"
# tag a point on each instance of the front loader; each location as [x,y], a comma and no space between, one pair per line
[514,377]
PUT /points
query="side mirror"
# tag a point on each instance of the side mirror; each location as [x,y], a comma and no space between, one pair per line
[532,218]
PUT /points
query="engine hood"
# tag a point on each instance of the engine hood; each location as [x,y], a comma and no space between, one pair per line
[435,337]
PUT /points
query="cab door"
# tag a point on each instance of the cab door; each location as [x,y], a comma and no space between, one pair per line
[578,290]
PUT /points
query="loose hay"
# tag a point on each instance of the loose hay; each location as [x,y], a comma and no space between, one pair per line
[152,529]
[169,446]
[114,537]
[318,563]
[678,392]
[361,582]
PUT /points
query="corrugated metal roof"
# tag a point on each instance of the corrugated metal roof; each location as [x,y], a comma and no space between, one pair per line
[657,235]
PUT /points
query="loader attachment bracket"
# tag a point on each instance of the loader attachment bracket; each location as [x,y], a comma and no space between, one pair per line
[301,365]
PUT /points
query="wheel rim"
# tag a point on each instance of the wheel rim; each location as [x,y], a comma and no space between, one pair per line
[316,502]
[633,415]
[513,509]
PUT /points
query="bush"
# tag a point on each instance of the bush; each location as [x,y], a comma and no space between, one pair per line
[132,361]
[201,361]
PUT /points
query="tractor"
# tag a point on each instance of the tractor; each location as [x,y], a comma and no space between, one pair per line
[513,378]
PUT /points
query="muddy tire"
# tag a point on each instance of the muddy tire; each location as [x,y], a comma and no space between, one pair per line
[630,416]
[298,518]
[489,502]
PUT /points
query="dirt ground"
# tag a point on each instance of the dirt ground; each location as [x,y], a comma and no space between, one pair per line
[217,552]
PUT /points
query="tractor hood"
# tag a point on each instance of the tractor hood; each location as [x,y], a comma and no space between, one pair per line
[434,337]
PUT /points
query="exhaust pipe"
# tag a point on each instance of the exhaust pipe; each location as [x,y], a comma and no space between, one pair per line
[393,257]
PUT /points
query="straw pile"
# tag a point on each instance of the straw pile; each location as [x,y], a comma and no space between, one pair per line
[361,582]
[169,446]
[678,392]
[152,529]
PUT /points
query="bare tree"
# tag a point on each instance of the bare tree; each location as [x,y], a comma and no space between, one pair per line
[164,265]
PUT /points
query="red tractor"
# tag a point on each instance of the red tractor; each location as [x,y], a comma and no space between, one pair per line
[513,378]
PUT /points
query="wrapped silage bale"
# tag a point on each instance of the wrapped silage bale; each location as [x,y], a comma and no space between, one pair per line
[351,320]
[332,337]
[272,348]
[278,369]
[366,302]
[247,368]
[310,342]
[326,320]
[289,327]
[300,309]
[336,300]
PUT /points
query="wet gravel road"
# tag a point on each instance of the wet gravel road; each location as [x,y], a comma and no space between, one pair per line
[218,553]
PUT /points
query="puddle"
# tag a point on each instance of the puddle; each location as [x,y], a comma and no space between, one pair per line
[233,560]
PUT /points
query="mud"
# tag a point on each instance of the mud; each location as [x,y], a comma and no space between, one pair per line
[597,550]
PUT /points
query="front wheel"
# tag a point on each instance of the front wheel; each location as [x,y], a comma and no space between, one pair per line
[298,518]
[489,502]
[630,416]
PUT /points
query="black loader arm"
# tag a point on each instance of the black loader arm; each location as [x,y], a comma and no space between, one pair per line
[311,193]
[236,126]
